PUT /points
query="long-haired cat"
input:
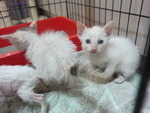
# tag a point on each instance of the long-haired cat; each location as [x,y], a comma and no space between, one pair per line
[52,54]
[113,54]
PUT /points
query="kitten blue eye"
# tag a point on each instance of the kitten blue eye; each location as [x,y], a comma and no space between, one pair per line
[100,41]
[88,41]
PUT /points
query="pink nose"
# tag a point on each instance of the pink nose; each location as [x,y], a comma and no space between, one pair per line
[93,50]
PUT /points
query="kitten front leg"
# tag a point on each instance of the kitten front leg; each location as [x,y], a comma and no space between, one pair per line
[25,92]
[85,69]
[109,70]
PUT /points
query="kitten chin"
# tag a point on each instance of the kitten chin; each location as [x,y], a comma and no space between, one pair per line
[90,53]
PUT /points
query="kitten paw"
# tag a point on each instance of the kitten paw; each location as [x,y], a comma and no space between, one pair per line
[119,80]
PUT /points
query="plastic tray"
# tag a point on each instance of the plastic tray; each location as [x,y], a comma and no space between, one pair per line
[57,24]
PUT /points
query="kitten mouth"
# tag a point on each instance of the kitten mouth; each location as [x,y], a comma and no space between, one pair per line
[93,52]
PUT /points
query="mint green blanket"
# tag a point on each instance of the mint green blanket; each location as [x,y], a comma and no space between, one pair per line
[93,98]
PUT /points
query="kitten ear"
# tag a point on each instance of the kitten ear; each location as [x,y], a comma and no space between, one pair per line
[80,28]
[33,25]
[108,28]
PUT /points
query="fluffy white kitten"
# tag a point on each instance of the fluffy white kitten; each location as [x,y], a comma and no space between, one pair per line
[113,54]
[20,81]
[52,54]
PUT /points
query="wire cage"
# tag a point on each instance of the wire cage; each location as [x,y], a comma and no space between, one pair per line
[131,18]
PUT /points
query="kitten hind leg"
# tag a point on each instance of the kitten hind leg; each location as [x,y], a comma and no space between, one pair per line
[41,87]
[27,95]
[3,105]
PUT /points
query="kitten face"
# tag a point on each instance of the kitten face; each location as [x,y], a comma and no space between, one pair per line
[93,40]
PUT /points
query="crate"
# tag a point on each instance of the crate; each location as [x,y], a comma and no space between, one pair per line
[57,24]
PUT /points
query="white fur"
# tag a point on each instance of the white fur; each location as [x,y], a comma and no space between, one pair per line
[20,81]
[114,55]
[52,54]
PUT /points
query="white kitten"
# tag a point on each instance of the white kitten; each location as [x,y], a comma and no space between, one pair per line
[110,53]
[52,54]
[20,81]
